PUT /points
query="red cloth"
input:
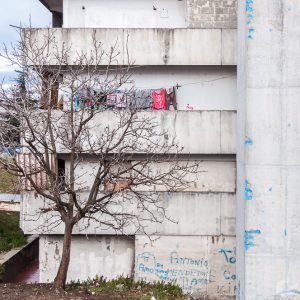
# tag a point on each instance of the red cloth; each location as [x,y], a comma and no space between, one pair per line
[159,99]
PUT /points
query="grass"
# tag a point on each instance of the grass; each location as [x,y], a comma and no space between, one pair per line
[11,235]
[8,182]
[125,287]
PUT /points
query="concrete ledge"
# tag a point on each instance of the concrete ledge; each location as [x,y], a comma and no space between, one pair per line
[16,260]
[164,46]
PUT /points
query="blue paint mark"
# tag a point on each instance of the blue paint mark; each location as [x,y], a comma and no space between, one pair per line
[249,238]
[248,141]
[297,292]
[248,191]
[270,189]
[289,8]
[249,11]
[289,124]
[285,232]
[270,29]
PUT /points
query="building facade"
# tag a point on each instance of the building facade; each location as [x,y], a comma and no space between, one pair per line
[235,92]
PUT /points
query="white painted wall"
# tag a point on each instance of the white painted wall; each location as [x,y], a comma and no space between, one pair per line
[124,14]
[108,256]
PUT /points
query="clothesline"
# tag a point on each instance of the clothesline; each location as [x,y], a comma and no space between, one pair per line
[178,85]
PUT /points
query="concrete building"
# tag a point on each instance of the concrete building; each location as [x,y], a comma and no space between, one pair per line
[241,85]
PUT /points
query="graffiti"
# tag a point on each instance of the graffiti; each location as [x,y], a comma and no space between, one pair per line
[250,17]
[175,258]
[189,107]
[248,141]
[178,271]
[248,191]
[249,238]
[229,276]
[229,255]
[191,273]
[285,232]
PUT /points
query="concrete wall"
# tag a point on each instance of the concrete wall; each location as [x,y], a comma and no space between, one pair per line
[203,214]
[149,14]
[124,14]
[211,13]
[202,265]
[268,160]
[198,132]
[163,46]
[90,256]
[215,175]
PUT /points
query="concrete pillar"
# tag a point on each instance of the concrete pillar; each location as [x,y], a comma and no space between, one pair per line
[268,155]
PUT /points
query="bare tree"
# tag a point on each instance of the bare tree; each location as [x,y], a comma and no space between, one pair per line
[65,120]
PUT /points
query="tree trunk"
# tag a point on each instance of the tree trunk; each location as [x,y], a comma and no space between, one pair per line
[61,276]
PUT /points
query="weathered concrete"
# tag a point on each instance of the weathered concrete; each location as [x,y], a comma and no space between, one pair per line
[107,256]
[211,13]
[204,265]
[203,214]
[142,13]
[268,252]
[124,14]
[163,46]
[213,176]
[197,132]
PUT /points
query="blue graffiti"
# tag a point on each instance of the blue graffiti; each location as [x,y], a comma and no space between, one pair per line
[229,255]
[285,232]
[270,189]
[248,141]
[248,191]
[249,238]
[250,17]
[290,292]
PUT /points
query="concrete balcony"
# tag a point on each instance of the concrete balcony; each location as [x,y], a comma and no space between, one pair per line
[148,46]
[196,132]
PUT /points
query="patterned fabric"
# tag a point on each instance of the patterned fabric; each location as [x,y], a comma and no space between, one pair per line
[142,99]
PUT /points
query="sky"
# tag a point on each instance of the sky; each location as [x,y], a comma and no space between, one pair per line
[18,12]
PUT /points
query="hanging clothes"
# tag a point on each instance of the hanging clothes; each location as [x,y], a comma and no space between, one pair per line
[171,98]
[121,99]
[116,99]
[142,99]
[159,99]
[111,100]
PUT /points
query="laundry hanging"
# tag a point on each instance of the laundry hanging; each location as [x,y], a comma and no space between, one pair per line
[171,98]
[159,99]
[142,99]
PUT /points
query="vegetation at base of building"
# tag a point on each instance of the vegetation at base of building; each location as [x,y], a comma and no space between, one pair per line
[11,235]
[126,287]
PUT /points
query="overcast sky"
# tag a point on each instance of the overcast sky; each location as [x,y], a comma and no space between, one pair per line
[16,12]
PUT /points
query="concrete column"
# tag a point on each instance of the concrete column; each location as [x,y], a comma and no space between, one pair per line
[268,168]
